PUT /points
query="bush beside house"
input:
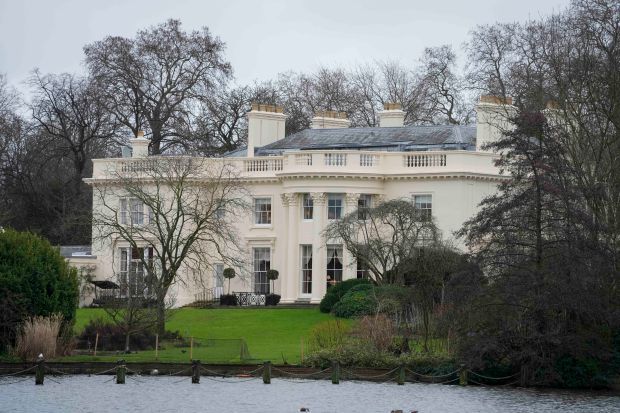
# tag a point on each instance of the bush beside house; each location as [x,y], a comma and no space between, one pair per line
[35,280]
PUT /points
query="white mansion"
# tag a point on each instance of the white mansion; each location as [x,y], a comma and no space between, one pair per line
[301,182]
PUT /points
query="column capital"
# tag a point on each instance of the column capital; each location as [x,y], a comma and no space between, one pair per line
[351,198]
[318,198]
[379,199]
[289,198]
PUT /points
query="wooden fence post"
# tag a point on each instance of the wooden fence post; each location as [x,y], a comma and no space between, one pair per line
[335,372]
[267,372]
[401,375]
[523,378]
[191,348]
[195,371]
[96,344]
[462,375]
[120,371]
[39,374]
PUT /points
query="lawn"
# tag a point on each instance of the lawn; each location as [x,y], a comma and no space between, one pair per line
[270,334]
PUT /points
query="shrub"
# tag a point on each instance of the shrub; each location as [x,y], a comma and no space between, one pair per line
[335,293]
[328,302]
[112,337]
[39,335]
[377,330]
[327,335]
[359,354]
[356,304]
[228,299]
[272,299]
[35,280]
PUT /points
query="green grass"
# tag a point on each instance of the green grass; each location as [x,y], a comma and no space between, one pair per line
[270,334]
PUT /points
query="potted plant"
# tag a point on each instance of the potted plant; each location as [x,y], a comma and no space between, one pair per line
[228,299]
[272,299]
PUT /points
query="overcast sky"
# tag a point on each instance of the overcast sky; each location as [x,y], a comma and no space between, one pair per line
[263,37]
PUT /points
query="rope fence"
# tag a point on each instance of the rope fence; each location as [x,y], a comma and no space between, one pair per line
[401,374]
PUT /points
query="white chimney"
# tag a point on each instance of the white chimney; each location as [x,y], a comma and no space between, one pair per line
[493,115]
[265,125]
[330,119]
[392,116]
[139,145]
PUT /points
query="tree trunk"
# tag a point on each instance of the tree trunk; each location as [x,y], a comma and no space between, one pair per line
[127,336]
[161,315]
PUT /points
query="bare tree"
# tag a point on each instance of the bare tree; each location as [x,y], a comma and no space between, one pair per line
[135,312]
[156,80]
[387,240]
[222,125]
[444,98]
[490,53]
[72,113]
[173,212]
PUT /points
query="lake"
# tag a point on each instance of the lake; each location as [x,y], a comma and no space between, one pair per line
[177,394]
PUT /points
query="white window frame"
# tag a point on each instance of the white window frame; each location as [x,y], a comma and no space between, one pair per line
[364,203]
[361,271]
[338,210]
[258,213]
[423,210]
[306,282]
[218,275]
[339,248]
[264,284]
[307,204]
[129,286]
[129,214]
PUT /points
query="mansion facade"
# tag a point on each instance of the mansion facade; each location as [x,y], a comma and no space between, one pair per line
[301,182]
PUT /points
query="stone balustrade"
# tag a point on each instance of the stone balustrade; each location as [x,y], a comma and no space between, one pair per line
[325,162]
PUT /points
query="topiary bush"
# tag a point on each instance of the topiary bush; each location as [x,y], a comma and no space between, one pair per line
[335,293]
[35,280]
[229,299]
[356,304]
[272,275]
[229,273]
[272,299]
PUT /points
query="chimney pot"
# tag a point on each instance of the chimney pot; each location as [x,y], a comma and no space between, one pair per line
[266,124]
[496,100]
[139,145]
[392,116]
[552,105]
[330,119]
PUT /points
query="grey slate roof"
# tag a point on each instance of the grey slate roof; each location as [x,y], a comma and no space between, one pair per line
[407,138]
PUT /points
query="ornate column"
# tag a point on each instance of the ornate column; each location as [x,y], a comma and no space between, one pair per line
[290,275]
[319,250]
[378,199]
[349,264]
